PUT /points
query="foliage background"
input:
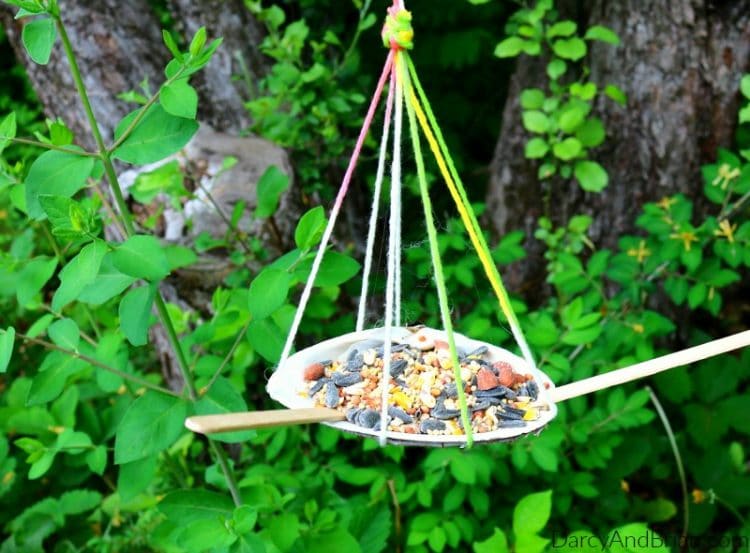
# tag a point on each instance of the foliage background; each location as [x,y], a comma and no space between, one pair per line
[605,467]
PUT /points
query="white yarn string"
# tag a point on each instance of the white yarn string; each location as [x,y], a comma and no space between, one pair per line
[393,254]
[396,224]
[305,297]
[367,268]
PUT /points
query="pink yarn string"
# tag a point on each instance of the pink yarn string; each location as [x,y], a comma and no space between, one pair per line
[363,134]
[307,291]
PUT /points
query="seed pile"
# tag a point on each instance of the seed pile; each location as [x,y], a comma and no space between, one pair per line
[423,397]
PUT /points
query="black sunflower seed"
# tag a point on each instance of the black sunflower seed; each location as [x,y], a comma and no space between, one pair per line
[332,396]
[398,367]
[398,413]
[343,380]
[368,418]
[315,388]
[431,424]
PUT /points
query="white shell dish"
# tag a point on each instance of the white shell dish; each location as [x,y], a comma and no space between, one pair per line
[288,387]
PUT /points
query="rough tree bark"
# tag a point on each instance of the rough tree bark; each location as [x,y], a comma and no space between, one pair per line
[117,47]
[118,44]
[680,63]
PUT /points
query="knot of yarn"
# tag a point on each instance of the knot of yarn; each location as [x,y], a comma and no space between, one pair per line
[397,31]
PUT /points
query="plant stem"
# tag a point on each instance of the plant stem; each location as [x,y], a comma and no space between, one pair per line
[678,460]
[161,308]
[226,359]
[47,146]
[91,361]
[109,170]
[223,461]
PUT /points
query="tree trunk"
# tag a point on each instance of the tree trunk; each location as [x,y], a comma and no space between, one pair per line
[679,63]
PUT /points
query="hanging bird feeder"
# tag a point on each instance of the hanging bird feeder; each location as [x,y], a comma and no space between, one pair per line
[421,386]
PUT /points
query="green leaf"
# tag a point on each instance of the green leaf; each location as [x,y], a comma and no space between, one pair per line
[7,130]
[107,284]
[544,457]
[33,277]
[266,338]
[536,148]
[79,273]
[532,512]
[569,48]
[556,68]
[271,185]
[165,179]
[591,176]
[268,292]
[65,334]
[67,218]
[7,338]
[562,28]
[186,506]
[79,501]
[57,173]
[310,228]
[150,425]
[535,121]
[509,47]
[179,256]
[336,540]
[171,45]
[567,149]
[38,38]
[135,476]
[745,86]
[496,543]
[141,256]
[158,135]
[199,40]
[222,397]
[40,466]
[532,98]
[135,314]
[571,118]
[616,94]
[598,32]
[336,268]
[180,99]
[591,133]
[463,470]
[56,368]
[205,535]
[96,459]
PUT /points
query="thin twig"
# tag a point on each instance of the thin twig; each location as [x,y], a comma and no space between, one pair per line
[678,460]
[233,230]
[226,359]
[91,361]
[47,146]
[396,514]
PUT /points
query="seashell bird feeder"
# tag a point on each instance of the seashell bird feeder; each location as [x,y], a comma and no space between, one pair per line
[412,385]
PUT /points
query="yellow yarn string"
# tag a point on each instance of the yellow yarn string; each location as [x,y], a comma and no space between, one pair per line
[487,262]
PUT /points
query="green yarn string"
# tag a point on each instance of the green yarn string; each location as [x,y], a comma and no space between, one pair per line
[435,252]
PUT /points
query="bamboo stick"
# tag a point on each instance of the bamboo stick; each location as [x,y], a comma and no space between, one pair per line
[650,367]
[228,422]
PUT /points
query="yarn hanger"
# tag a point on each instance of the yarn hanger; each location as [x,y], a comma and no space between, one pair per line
[405,93]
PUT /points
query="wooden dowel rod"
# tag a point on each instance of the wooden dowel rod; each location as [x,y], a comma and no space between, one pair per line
[228,422]
[651,367]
